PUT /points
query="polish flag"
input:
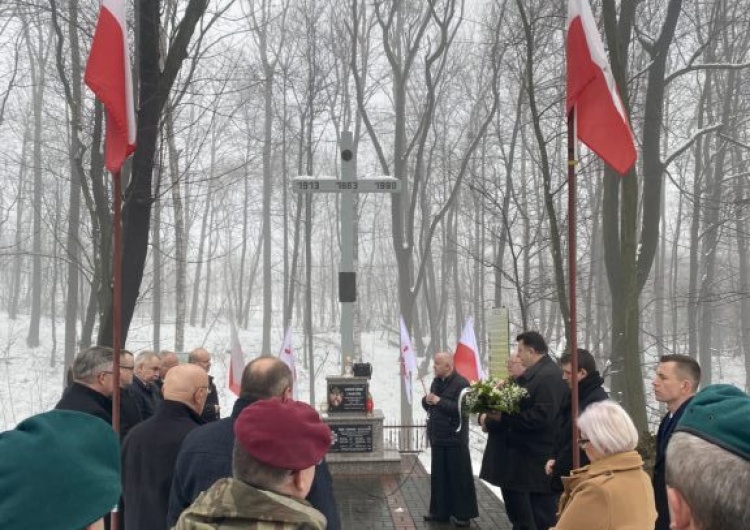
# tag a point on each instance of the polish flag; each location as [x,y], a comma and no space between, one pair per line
[408,360]
[109,77]
[601,121]
[466,359]
[237,359]
[286,355]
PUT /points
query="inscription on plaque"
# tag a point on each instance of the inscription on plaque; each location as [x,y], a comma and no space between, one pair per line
[347,396]
[351,438]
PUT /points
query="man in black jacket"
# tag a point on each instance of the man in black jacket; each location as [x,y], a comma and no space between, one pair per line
[493,463]
[452,492]
[130,414]
[143,390]
[91,388]
[206,453]
[93,384]
[675,383]
[529,438]
[202,357]
[150,450]
[589,391]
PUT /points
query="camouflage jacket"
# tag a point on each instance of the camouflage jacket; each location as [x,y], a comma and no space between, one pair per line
[233,505]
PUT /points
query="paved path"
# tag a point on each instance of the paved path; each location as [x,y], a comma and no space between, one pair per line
[398,502]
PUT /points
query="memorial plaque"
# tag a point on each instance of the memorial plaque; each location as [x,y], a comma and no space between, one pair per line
[347,396]
[354,438]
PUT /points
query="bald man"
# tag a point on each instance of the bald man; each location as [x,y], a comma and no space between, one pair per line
[202,357]
[150,450]
[168,360]
[452,493]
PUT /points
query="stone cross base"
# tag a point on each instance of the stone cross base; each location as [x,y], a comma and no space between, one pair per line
[358,447]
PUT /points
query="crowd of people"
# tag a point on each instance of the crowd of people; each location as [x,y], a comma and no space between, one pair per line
[178,464]
[701,475]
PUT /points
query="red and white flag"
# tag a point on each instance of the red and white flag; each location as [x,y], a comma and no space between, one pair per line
[466,359]
[286,355]
[408,360]
[109,77]
[236,360]
[601,121]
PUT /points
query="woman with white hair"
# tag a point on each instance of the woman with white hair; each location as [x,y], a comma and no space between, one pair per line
[613,492]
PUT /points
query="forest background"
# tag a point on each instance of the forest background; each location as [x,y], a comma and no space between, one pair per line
[463,101]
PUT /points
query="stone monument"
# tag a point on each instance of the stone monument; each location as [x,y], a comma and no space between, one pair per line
[358,443]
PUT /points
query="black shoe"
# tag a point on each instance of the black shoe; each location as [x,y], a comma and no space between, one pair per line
[460,522]
[431,518]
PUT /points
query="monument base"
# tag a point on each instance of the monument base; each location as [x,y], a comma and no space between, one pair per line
[358,447]
[387,463]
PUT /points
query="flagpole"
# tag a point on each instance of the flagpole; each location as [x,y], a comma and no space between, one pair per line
[572,273]
[116,314]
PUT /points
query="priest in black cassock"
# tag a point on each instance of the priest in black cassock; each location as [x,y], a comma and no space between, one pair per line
[452,493]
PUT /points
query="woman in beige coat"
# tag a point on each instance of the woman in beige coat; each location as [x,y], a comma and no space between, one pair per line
[613,492]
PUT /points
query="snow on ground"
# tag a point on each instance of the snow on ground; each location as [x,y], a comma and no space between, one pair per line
[31,379]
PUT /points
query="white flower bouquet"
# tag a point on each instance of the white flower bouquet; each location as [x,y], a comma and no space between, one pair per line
[493,395]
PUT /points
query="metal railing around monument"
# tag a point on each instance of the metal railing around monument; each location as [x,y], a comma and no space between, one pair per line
[405,438]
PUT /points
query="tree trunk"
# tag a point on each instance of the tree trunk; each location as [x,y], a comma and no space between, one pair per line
[157,294]
[40,81]
[180,235]
[155,85]
[628,260]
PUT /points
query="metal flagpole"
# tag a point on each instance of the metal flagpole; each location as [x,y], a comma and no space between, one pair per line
[116,317]
[572,244]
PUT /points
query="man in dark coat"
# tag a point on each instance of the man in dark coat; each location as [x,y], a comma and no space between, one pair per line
[529,438]
[206,453]
[675,383]
[589,391]
[497,436]
[150,450]
[202,357]
[130,414]
[452,493]
[93,384]
[169,360]
[91,387]
[143,389]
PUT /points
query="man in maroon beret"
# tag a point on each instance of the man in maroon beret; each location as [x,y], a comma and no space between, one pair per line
[277,445]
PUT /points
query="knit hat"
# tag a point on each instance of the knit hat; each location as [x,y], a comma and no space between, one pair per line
[283,434]
[60,470]
[720,414]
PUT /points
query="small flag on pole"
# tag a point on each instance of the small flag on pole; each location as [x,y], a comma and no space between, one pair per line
[109,77]
[466,359]
[237,359]
[408,360]
[286,355]
[600,119]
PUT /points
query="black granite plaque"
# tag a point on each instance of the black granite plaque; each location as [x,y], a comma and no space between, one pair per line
[353,438]
[347,396]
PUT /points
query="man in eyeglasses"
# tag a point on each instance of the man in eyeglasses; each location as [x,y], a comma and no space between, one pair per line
[130,414]
[150,450]
[93,384]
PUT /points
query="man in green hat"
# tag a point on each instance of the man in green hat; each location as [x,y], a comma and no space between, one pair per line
[708,462]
